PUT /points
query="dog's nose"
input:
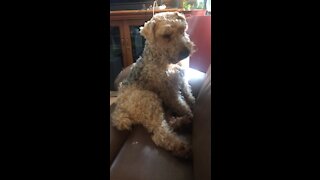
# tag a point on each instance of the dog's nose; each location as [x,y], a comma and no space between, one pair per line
[184,53]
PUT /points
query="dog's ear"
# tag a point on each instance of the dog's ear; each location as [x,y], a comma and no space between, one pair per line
[183,20]
[147,31]
[180,16]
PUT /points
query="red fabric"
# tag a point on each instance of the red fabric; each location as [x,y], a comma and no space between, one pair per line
[199,29]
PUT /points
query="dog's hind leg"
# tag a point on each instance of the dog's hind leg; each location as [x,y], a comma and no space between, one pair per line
[164,137]
[145,107]
[151,115]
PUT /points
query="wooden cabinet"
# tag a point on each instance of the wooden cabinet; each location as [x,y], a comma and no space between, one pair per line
[125,36]
[130,39]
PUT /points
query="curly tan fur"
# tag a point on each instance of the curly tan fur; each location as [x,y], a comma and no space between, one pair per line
[155,94]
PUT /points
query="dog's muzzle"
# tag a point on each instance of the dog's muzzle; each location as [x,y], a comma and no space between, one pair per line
[184,53]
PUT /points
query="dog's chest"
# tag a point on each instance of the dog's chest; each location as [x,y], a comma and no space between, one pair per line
[159,79]
[170,72]
[173,73]
[166,77]
[172,78]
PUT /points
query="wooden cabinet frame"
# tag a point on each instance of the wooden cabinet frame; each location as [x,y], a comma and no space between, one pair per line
[125,35]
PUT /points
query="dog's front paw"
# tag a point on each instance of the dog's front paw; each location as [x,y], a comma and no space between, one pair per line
[123,127]
[125,124]
[177,122]
[189,116]
[192,100]
[183,151]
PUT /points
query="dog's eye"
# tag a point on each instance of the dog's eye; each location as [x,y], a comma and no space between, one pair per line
[166,36]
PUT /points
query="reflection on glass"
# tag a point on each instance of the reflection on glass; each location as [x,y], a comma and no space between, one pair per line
[115,43]
[137,42]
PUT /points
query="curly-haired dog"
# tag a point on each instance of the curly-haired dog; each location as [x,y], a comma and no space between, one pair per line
[155,94]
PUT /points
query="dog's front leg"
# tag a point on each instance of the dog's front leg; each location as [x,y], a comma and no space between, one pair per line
[178,105]
[187,94]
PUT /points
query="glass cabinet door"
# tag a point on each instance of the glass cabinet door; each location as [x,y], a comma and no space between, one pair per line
[137,42]
[116,57]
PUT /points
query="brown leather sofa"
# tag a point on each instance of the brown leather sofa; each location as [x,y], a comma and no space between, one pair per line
[133,155]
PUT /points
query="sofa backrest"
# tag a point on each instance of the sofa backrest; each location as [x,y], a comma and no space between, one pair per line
[195,78]
[199,29]
[201,137]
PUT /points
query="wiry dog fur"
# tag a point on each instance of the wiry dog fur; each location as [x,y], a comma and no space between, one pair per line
[155,94]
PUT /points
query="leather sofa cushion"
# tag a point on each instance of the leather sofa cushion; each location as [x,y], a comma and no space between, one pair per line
[140,159]
[201,137]
[195,79]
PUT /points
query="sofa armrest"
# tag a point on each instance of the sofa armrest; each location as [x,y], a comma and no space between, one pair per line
[117,138]
[201,133]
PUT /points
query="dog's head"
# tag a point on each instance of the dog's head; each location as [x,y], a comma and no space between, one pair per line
[166,31]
